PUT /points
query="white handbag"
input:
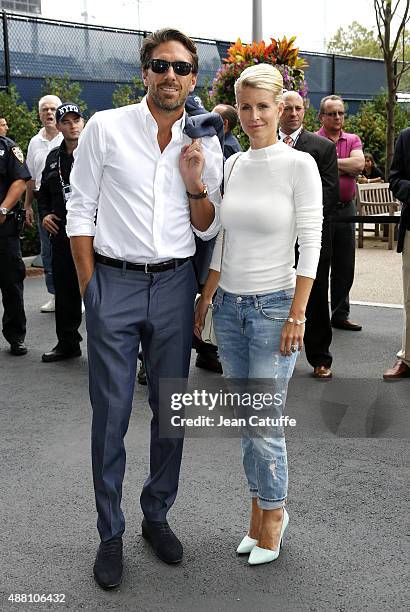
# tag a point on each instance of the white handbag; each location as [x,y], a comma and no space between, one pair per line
[208,330]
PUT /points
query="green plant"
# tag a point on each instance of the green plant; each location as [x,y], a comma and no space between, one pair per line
[22,122]
[311,120]
[128,93]
[370,124]
[30,245]
[65,89]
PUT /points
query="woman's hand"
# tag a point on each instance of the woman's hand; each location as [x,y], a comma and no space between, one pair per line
[200,313]
[291,339]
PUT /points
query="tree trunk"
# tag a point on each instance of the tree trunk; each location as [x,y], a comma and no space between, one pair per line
[390,104]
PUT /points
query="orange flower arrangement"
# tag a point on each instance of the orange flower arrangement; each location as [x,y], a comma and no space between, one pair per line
[281,53]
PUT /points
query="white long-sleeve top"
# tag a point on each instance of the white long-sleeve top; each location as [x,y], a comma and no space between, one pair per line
[272,196]
[143,212]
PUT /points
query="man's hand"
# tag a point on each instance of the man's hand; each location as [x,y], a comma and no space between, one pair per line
[3,219]
[83,255]
[191,164]
[50,225]
[29,216]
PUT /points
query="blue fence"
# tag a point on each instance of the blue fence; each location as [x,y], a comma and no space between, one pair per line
[100,58]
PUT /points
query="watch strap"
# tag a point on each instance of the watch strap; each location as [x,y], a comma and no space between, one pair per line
[198,196]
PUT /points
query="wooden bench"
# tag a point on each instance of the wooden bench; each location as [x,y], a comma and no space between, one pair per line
[376,199]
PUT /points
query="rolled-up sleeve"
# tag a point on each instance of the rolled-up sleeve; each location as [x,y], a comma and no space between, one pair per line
[309,214]
[85,180]
[212,177]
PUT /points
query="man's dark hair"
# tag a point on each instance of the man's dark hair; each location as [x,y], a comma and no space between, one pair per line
[325,99]
[228,112]
[165,35]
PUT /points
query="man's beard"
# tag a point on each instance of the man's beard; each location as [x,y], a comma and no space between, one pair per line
[168,105]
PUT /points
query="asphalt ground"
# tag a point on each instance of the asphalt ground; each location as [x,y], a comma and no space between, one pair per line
[347,546]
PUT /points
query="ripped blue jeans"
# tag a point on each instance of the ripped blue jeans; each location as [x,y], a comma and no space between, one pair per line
[248,330]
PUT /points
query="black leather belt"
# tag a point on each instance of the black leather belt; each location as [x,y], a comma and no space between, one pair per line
[147,268]
[343,204]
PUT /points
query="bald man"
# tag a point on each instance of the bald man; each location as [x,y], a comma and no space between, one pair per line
[318,334]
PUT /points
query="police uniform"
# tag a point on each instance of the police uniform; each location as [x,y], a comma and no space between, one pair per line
[55,183]
[12,269]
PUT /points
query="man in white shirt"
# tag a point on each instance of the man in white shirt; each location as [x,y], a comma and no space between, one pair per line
[151,188]
[39,147]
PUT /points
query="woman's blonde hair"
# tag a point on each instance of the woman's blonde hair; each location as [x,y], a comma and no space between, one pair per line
[261,76]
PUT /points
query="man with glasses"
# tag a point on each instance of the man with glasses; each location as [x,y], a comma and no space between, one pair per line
[318,332]
[350,163]
[154,188]
[39,147]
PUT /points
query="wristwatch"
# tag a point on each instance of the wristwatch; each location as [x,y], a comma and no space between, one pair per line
[3,210]
[198,196]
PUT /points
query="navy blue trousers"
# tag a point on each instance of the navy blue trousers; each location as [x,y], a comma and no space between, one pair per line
[124,307]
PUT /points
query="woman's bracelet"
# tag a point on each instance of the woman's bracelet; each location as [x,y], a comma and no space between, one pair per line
[296,321]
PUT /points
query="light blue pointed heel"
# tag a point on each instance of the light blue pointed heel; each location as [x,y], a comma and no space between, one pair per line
[264,555]
[246,545]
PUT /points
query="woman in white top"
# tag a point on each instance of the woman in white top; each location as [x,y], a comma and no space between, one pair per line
[273,195]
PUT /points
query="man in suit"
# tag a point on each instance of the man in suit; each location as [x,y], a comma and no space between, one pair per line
[400,186]
[318,334]
[230,119]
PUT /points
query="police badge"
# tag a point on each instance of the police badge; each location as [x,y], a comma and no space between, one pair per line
[18,153]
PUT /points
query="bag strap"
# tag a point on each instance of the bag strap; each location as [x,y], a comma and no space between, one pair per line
[223,231]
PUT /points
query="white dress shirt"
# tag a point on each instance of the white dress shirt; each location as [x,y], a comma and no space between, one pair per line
[295,135]
[38,149]
[139,196]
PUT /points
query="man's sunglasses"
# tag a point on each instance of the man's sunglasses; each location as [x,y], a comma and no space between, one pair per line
[334,114]
[160,66]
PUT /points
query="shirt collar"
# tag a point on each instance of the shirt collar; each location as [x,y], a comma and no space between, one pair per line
[177,128]
[322,132]
[295,135]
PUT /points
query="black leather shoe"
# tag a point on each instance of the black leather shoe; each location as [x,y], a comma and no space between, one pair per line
[347,325]
[18,348]
[163,540]
[108,564]
[209,361]
[56,354]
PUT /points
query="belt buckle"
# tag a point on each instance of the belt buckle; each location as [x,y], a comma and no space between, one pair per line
[146,268]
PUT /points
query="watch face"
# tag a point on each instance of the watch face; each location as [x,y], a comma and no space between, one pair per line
[3,211]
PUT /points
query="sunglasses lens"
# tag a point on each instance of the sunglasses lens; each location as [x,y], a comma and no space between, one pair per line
[159,66]
[182,68]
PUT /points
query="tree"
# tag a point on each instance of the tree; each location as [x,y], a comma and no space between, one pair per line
[356,40]
[370,124]
[393,43]
[65,89]
[128,93]
[22,122]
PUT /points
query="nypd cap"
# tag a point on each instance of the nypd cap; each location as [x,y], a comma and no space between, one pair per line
[67,107]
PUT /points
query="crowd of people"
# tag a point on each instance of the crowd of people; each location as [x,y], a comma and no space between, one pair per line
[135,221]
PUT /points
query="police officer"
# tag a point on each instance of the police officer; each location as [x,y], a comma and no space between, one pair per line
[13,176]
[52,198]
